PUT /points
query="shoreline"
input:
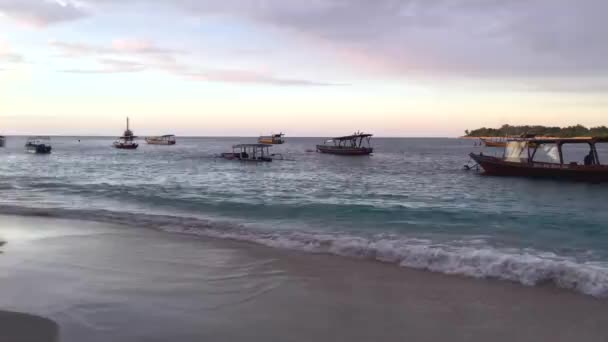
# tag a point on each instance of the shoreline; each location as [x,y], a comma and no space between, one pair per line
[529,267]
[106,282]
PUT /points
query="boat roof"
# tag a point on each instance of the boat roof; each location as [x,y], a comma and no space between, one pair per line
[40,137]
[168,136]
[251,145]
[353,136]
[585,140]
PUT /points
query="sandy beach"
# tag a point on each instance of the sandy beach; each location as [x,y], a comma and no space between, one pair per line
[115,283]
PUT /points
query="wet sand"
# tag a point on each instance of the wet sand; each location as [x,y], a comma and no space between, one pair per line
[18,327]
[104,283]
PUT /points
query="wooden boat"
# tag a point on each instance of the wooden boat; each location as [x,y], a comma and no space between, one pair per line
[38,145]
[273,139]
[162,140]
[127,141]
[493,142]
[357,144]
[250,153]
[520,159]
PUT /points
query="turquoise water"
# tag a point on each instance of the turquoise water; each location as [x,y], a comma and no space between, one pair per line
[411,203]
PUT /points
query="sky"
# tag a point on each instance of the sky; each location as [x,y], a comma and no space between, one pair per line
[306,68]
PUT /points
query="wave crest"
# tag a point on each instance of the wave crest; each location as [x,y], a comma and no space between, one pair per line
[473,258]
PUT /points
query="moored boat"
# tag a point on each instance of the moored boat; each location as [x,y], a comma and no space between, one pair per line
[38,145]
[521,159]
[251,153]
[358,144]
[494,142]
[2,141]
[127,141]
[162,140]
[273,139]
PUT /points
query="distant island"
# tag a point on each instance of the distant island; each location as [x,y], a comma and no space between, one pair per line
[561,132]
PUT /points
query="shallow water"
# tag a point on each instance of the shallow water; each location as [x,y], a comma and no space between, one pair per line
[410,203]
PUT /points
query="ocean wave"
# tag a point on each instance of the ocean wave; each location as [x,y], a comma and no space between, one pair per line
[474,259]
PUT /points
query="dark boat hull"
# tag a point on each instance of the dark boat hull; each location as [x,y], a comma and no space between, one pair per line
[500,167]
[126,146]
[39,149]
[345,151]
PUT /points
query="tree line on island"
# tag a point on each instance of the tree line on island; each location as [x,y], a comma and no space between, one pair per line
[559,132]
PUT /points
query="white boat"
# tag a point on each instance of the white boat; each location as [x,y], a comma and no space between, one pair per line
[38,145]
[162,140]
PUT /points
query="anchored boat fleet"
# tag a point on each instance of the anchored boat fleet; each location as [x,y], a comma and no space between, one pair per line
[524,156]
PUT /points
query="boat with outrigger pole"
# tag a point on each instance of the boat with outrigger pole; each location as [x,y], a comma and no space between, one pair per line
[251,153]
[521,159]
[127,141]
[357,144]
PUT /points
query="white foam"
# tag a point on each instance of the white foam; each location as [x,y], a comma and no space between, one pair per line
[474,259]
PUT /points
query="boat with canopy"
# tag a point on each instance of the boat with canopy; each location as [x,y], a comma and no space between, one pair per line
[357,144]
[273,139]
[162,140]
[38,145]
[127,141]
[545,158]
[250,153]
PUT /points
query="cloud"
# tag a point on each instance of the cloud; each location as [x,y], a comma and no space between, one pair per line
[41,13]
[146,55]
[400,37]
[110,66]
[8,56]
[245,76]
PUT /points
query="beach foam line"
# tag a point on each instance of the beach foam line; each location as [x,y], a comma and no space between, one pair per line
[474,259]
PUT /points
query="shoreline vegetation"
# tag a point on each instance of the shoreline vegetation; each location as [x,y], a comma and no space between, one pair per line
[577,131]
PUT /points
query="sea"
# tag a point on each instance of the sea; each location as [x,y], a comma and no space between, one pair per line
[411,203]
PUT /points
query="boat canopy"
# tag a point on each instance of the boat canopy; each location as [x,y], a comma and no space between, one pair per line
[353,136]
[523,151]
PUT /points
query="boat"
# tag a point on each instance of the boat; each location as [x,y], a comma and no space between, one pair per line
[38,145]
[2,141]
[521,159]
[500,142]
[250,153]
[162,140]
[357,144]
[127,141]
[273,139]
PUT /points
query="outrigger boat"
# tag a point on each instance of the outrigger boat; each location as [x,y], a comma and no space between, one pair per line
[274,139]
[358,144]
[251,153]
[162,140]
[38,145]
[521,159]
[127,141]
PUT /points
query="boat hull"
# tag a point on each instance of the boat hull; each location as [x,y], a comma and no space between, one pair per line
[499,167]
[39,149]
[345,151]
[271,141]
[122,146]
[165,143]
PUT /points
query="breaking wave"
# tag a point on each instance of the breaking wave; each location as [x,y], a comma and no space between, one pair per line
[473,258]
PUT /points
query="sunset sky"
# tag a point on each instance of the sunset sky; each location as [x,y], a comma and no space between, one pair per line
[308,68]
